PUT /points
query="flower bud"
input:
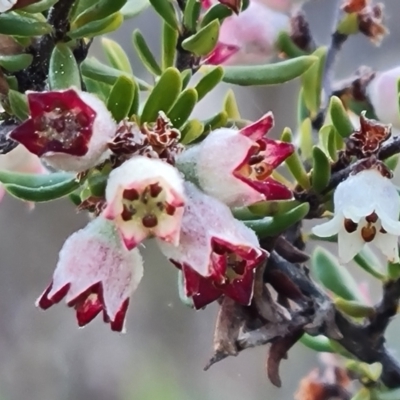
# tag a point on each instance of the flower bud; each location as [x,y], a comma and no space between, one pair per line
[95,272]
[145,197]
[68,129]
[383,95]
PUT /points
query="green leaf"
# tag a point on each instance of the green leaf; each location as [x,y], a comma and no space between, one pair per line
[321,172]
[100,89]
[318,343]
[216,12]
[264,208]
[354,308]
[209,81]
[63,69]
[183,107]
[218,120]
[340,118]
[136,102]
[230,105]
[121,97]
[306,139]
[312,82]
[166,11]
[94,69]
[273,226]
[349,25]
[186,76]
[116,56]
[14,24]
[392,162]
[39,7]
[134,7]
[363,393]
[334,276]
[97,28]
[294,163]
[163,96]
[100,10]
[144,53]
[203,41]
[268,74]
[286,45]
[367,260]
[38,188]
[16,62]
[18,104]
[331,144]
[191,131]
[191,14]
[169,43]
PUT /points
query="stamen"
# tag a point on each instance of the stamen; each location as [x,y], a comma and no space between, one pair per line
[368,233]
[372,218]
[149,221]
[350,226]
[155,189]
[130,194]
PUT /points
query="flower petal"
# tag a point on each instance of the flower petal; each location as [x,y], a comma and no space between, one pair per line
[329,228]
[258,129]
[388,245]
[350,244]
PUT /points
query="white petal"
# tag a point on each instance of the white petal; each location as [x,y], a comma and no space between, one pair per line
[329,228]
[391,226]
[388,245]
[350,244]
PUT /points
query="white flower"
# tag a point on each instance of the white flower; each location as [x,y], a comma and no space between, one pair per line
[367,207]
[6,5]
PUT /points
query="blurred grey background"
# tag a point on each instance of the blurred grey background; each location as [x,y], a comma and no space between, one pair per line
[44,356]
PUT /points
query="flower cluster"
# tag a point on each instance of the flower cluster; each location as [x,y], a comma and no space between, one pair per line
[147,196]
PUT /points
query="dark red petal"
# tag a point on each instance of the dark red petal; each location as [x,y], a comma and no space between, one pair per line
[241,290]
[222,52]
[87,310]
[276,152]
[118,324]
[270,188]
[45,302]
[206,4]
[259,128]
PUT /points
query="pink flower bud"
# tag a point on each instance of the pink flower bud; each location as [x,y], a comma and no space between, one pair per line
[249,37]
[235,166]
[383,94]
[217,254]
[95,273]
[68,129]
[145,197]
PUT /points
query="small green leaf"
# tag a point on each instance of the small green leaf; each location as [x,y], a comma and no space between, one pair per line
[144,53]
[16,62]
[264,208]
[186,76]
[294,163]
[302,110]
[191,14]
[63,69]
[97,28]
[163,96]
[331,144]
[183,107]
[100,10]
[363,393]
[392,162]
[166,11]
[370,371]
[121,97]
[286,45]
[218,120]
[334,276]
[318,343]
[268,74]
[39,7]
[116,55]
[14,24]
[393,270]
[136,102]
[367,260]
[216,12]
[273,226]
[100,89]
[191,131]
[349,25]
[169,43]
[340,118]
[38,188]
[306,139]
[230,105]
[97,184]
[209,81]
[94,69]
[18,104]
[203,41]
[354,308]
[312,82]
[133,8]
[321,171]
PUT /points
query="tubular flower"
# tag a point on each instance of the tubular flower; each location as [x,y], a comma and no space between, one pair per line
[95,273]
[242,176]
[249,37]
[20,160]
[382,92]
[68,129]
[145,197]
[367,208]
[217,254]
